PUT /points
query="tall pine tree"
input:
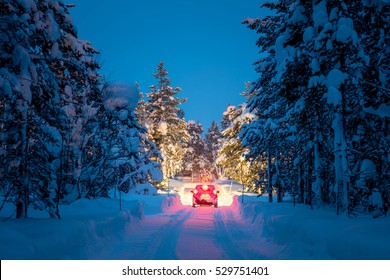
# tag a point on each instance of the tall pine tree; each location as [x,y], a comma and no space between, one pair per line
[213,142]
[165,123]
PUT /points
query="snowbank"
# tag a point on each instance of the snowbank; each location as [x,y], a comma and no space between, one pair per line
[318,234]
[86,225]
[154,204]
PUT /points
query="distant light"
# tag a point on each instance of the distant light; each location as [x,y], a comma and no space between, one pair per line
[205,187]
[195,191]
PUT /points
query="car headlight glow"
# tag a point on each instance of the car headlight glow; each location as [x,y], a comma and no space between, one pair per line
[205,187]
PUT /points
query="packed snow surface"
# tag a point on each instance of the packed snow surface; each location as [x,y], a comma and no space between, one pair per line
[165,226]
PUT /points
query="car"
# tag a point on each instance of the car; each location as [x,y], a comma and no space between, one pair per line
[205,195]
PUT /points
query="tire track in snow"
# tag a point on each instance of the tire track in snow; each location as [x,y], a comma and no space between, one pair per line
[198,237]
[152,239]
[167,247]
[242,239]
[226,240]
[184,232]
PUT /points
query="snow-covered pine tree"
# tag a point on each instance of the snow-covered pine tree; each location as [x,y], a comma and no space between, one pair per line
[306,116]
[150,155]
[339,60]
[128,161]
[195,162]
[266,136]
[32,117]
[140,111]
[372,132]
[41,60]
[232,156]
[213,142]
[150,167]
[165,123]
[81,89]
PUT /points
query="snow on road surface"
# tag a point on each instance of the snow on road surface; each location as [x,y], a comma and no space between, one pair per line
[184,232]
[253,230]
[167,227]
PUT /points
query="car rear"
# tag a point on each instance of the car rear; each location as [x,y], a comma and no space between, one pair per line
[205,195]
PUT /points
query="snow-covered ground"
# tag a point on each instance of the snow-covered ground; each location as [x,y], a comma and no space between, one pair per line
[167,227]
[302,233]
[86,225]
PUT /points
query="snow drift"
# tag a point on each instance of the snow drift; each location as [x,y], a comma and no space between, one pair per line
[87,226]
[319,234]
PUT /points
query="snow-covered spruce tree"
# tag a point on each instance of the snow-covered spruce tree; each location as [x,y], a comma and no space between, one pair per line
[372,133]
[342,72]
[128,161]
[150,169]
[195,162]
[31,35]
[269,135]
[339,59]
[149,153]
[306,115]
[40,54]
[165,123]
[232,156]
[140,111]
[213,142]
[81,99]
[77,160]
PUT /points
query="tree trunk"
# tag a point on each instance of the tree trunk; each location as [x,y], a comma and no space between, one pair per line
[300,189]
[280,184]
[60,181]
[23,192]
[19,209]
[317,186]
[341,163]
[308,184]
[269,175]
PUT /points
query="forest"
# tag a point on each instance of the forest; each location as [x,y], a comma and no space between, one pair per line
[315,124]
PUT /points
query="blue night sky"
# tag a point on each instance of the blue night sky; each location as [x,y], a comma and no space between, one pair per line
[205,48]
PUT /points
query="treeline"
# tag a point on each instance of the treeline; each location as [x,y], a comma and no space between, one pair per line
[65,133]
[321,104]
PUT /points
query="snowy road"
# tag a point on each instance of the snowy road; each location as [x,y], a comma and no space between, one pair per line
[183,232]
[166,227]
[172,229]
